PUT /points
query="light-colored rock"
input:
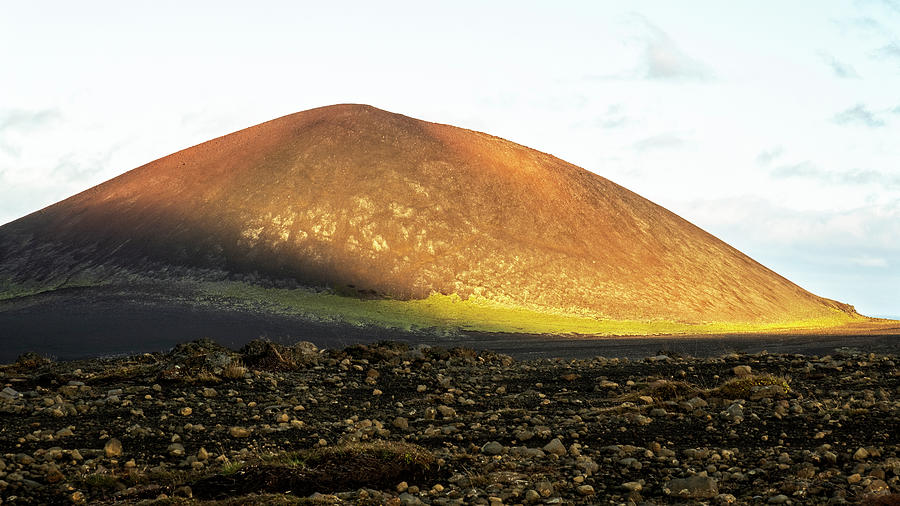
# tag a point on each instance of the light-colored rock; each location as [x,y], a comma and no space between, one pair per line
[742,370]
[112,448]
[239,432]
[584,490]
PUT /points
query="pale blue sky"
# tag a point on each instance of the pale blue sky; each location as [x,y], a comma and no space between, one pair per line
[774,125]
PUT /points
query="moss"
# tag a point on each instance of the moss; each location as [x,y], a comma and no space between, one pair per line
[449,313]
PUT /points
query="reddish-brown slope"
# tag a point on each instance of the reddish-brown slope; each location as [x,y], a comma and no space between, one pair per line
[353,195]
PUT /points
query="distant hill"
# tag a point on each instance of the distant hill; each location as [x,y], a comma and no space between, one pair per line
[354,214]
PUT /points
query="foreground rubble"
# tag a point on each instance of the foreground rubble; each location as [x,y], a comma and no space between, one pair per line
[389,424]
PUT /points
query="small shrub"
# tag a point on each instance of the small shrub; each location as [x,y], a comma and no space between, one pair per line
[745,387]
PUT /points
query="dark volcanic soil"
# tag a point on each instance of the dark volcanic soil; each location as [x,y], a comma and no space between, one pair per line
[82,323]
[390,424]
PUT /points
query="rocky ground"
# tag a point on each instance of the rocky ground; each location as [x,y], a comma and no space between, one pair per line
[389,424]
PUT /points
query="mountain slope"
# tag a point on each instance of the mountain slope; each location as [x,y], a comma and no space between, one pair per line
[382,205]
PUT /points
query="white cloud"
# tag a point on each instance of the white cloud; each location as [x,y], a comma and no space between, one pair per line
[869,261]
[859,115]
[840,69]
[664,60]
[661,141]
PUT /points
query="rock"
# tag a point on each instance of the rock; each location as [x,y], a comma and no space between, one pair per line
[877,487]
[854,478]
[493,448]
[202,454]
[446,411]
[632,486]
[742,370]
[861,454]
[9,394]
[555,447]
[725,499]
[734,413]
[778,499]
[176,450]
[185,411]
[532,495]
[698,486]
[584,490]
[401,423]
[239,432]
[112,448]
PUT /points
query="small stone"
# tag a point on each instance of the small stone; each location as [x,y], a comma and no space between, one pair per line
[377,392]
[76,497]
[402,486]
[239,432]
[176,450]
[854,478]
[632,486]
[202,454]
[742,370]
[185,411]
[861,454]
[532,495]
[778,499]
[401,423]
[726,499]
[282,418]
[112,448]
[585,490]
[555,447]
[492,448]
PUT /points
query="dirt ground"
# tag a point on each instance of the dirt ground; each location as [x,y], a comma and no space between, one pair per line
[75,325]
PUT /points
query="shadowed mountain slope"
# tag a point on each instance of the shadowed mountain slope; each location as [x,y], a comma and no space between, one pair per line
[360,199]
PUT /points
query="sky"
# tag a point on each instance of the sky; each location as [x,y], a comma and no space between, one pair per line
[773,125]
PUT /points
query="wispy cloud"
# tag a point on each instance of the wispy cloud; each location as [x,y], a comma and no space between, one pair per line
[664,60]
[661,141]
[25,119]
[659,57]
[809,170]
[766,157]
[840,69]
[858,114]
[869,261]
[613,118]
[889,51]
[17,121]
[893,5]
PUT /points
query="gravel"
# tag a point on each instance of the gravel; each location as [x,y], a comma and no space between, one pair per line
[449,426]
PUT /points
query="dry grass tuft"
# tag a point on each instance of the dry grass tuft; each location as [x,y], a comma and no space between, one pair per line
[234,370]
